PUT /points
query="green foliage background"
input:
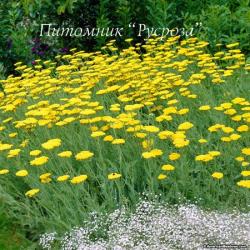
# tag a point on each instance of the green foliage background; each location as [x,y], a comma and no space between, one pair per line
[223,21]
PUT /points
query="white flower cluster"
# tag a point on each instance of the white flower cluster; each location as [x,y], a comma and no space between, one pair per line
[156,226]
[47,239]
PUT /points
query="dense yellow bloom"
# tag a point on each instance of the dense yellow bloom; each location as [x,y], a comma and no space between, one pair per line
[83,155]
[13,153]
[174,156]
[206,157]
[227,129]
[12,135]
[22,173]
[147,144]
[152,154]
[50,144]
[239,158]
[108,138]
[243,128]
[204,108]
[235,137]
[118,141]
[168,167]
[245,164]
[140,135]
[35,152]
[245,173]
[244,183]
[246,151]
[217,175]
[79,179]
[151,129]
[214,153]
[165,134]
[144,100]
[45,178]
[133,107]
[24,143]
[161,177]
[63,178]
[202,141]
[114,176]
[65,154]
[39,161]
[5,146]
[231,45]
[185,126]
[32,192]
[97,134]
[4,171]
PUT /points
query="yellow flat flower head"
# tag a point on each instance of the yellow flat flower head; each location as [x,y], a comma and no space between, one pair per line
[22,173]
[63,178]
[83,155]
[161,177]
[79,179]
[217,175]
[32,192]
[114,176]
[65,154]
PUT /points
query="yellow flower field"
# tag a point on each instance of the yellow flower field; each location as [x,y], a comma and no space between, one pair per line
[90,131]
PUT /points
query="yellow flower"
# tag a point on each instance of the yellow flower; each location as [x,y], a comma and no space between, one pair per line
[22,173]
[35,152]
[147,144]
[227,130]
[235,137]
[239,158]
[214,153]
[204,108]
[202,141]
[4,171]
[5,146]
[12,135]
[24,143]
[62,178]
[231,45]
[243,128]
[161,177]
[108,138]
[39,161]
[133,107]
[245,164]
[246,151]
[140,135]
[151,129]
[114,176]
[185,126]
[50,144]
[65,154]
[245,173]
[13,153]
[45,178]
[217,175]
[97,134]
[206,157]
[244,183]
[83,155]
[78,179]
[32,192]
[174,156]
[152,154]
[165,134]
[168,167]
[118,141]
